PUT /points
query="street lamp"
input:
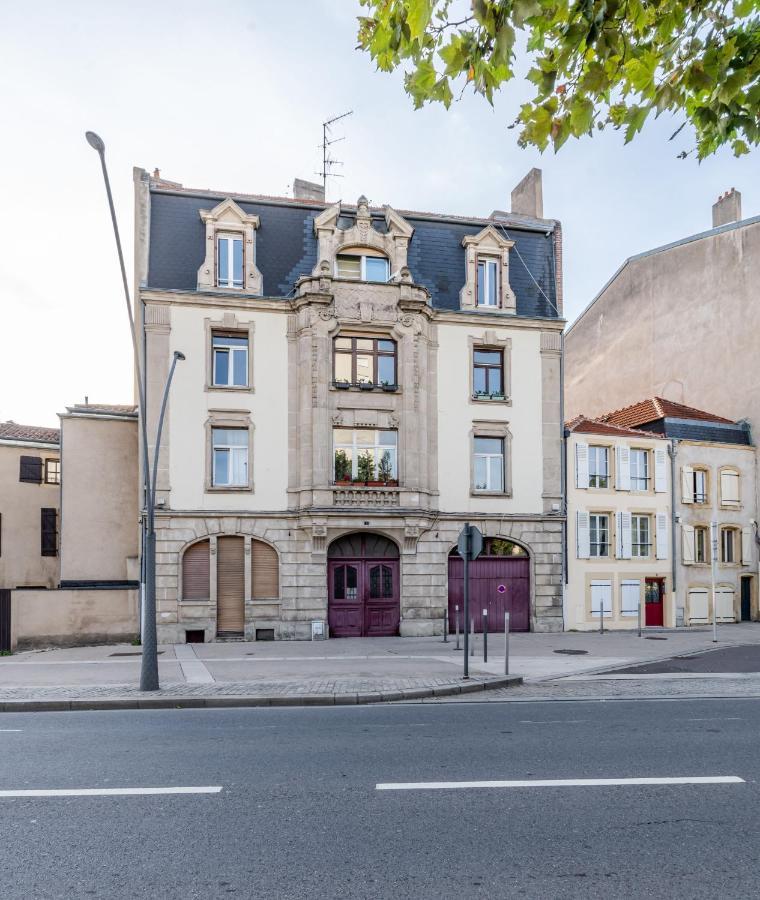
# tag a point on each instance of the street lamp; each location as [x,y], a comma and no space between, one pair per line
[149,668]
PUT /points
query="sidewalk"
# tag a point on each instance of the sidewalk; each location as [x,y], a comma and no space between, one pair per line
[331,672]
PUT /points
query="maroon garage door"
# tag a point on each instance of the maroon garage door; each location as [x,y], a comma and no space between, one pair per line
[499,582]
[363,587]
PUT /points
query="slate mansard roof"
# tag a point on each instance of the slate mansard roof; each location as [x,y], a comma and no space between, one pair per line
[286,247]
[674,420]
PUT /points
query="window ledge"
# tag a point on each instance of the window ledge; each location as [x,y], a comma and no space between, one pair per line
[232,388]
[229,489]
[497,401]
[355,389]
[490,493]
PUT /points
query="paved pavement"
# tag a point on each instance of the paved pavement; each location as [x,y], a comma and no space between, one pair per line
[351,670]
[290,807]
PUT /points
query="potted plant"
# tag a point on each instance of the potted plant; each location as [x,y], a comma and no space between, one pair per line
[497,396]
[385,468]
[342,384]
[366,385]
[387,386]
[366,466]
[480,395]
[342,467]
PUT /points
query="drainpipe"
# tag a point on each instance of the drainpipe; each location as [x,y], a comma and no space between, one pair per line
[672,453]
[563,477]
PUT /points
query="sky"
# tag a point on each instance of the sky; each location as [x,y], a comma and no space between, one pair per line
[231,95]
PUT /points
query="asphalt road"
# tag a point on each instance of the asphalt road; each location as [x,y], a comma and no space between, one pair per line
[299,815]
[741,658]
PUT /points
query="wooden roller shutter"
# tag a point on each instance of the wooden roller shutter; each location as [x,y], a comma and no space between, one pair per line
[230,585]
[196,583]
[265,571]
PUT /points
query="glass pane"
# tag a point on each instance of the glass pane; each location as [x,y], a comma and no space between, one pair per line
[220,466]
[364,437]
[490,357]
[387,581]
[339,583]
[364,369]
[224,340]
[365,344]
[240,465]
[376,268]
[343,465]
[221,366]
[342,343]
[387,438]
[349,267]
[343,367]
[386,369]
[494,381]
[479,380]
[240,374]
[491,296]
[237,262]
[481,483]
[496,482]
[352,580]
[481,283]
[386,346]
[487,445]
[342,436]
[374,582]
[230,437]
[222,260]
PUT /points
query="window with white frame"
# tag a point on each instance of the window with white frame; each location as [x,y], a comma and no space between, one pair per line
[365,454]
[729,488]
[639,469]
[599,535]
[641,536]
[488,464]
[362,266]
[230,457]
[230,351]
[598,467]
[229,260]
[52,471]
[488,282]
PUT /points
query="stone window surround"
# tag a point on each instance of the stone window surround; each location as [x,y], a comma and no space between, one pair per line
[492,428]
[611,467]
[488,243]
[228,322]
[737,548]
[370,331]
[489,341]
[228,418]
[211,601]
[701,467]
[729,470]
[228,218]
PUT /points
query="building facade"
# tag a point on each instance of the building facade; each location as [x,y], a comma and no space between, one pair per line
[358,383]
[619,528]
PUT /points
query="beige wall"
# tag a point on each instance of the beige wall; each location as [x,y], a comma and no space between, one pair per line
[42,618]
[100,521]
[682,323]
[581,572]
[20,527]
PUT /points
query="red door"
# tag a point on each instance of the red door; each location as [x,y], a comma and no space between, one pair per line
[654,596]
[498,584]
[363,598]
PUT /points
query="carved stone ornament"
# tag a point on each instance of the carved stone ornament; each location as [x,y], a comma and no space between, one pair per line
[393,420]
[406,319]
[327,313]
[337,419]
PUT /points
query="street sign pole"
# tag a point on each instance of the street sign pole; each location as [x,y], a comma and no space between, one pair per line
[466,556]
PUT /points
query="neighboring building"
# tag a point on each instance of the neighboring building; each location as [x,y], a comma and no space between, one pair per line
[359,382]
[680,322]
[715,481]
[619,528]
[30,492]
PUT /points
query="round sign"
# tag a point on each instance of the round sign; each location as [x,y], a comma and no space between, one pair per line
[502,589]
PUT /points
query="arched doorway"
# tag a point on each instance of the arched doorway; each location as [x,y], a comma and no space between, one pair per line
[499,582]
[363,586]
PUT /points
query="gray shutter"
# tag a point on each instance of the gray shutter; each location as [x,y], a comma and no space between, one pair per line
[30,469]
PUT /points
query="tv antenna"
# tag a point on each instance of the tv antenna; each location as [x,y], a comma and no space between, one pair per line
[327,141]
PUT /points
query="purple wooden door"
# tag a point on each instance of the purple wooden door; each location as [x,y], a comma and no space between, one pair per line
[363,598]
[498,584]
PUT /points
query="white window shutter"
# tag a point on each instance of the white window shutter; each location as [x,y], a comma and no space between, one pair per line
[583,539]
[687,484]
[687,544]
[729,487]
[630,597]
[581,465]
[624,535]
[623,468]
[746,546]
[660,471]
[662,535]
[601,598]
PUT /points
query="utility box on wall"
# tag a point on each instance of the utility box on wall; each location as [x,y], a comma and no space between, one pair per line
[318,630]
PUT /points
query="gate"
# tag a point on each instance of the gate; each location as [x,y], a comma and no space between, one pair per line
[498,584]
[5,620]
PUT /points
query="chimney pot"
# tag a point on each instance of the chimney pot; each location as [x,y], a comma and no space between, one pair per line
[728,208]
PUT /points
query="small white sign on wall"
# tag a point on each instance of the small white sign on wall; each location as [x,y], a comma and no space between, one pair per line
[318,631]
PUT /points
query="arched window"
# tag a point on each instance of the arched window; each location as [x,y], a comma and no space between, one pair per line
[196,583]
[363,546]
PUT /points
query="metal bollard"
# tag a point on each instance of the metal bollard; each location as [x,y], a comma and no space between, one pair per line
[485,635]
[456,624]
[446,626]
[472,636]
[506,643]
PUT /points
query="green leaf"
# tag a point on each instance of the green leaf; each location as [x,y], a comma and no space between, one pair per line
[581,116]
[418,16]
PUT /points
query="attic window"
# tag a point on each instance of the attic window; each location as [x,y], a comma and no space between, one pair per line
[362,267]
[229,260]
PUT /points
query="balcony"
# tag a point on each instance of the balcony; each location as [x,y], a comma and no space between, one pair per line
[364,497]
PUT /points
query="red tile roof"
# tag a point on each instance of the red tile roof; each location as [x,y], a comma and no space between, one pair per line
[658,408]
[583,425]
[10,431]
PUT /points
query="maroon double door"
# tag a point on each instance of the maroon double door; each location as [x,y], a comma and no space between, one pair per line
[498,584]
[363,587]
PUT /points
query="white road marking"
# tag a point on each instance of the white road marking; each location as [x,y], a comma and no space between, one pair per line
[110,792]
[557,782]
[553,722]
[9,730]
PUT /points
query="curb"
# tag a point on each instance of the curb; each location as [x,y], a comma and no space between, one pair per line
[337,699]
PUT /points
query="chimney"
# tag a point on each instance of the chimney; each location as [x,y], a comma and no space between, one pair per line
[528,196]
[727,208]
[308,190]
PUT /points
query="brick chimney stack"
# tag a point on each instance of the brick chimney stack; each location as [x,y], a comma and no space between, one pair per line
[727,208]
[308,190]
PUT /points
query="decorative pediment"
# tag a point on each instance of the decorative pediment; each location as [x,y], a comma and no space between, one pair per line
[227,218]
[333,240]
[492,245]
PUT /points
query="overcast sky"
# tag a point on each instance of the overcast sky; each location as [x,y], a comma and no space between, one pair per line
[230,95]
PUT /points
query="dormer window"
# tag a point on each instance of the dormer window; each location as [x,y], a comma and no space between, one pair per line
[488,282]
[229,261]
[366,266]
